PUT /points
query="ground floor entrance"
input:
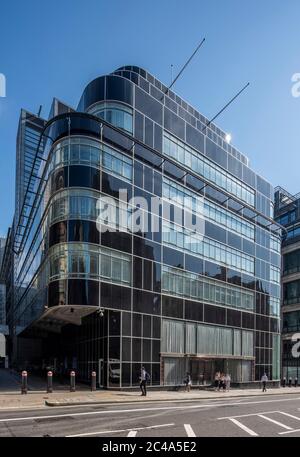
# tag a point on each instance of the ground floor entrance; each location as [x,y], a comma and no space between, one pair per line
[203,371]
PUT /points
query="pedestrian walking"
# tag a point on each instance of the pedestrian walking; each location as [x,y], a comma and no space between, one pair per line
[290,382]
[296,382]
[223,382]
[217,380]
[144,378]
[227,382]
[284,382]
[188,382]
[264,380]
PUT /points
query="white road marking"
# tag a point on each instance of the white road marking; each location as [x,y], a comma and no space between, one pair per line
[117,431]
[243,427]
[274,422]
[189,431]
[134,410]
[132,433]
[290,431]
[247,415]
[290,415]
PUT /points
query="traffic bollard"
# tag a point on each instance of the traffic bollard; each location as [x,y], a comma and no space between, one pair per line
[72,381]
[49,382]
[24,387]
[93,381]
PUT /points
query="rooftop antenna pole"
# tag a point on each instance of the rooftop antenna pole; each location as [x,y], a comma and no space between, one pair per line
[185,65]
[179,74]
[226,106]
[171,73]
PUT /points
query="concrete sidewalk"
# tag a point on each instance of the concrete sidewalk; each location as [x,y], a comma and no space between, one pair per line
[9,401]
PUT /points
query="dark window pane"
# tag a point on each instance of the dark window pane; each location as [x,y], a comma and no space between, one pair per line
[148,106]
[117,240]
[234,277]
[172,307]
[146,350]
[114,323]
[146,302]
[59,179]
[172,257]
[194,264]
[214,314]
[193,311]
[146,248]
[234,318]
[136,325]
[136,350]
[58,233]
[146,326]
[57,293]
[215,271]
[84,231]
[118,88]
[248,320]
[156,327]
[111,186]
[137,272]
[114,347]
[83,292]
[174,124]
[126,374]
[126,349]
[126,324]
[155,350]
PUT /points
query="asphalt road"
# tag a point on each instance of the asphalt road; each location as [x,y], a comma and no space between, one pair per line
[276,415]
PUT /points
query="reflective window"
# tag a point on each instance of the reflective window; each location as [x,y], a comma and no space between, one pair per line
[274,274]
[84,260]
[116,114]
[86,151]
[184,239]
[188,157]
[190,285]
[178,194]
[275,243]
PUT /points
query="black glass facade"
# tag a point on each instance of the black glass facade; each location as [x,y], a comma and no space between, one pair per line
[90,298]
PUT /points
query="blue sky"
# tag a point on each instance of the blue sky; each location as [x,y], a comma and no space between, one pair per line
[55,48]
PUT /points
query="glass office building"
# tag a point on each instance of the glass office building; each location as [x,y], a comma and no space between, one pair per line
[169,296]
[287,213]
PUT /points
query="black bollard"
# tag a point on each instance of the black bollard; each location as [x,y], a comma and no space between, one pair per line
[72,381]
[24,387]
[93,381]
[49,382]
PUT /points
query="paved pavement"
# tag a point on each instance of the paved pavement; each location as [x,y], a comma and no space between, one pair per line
[273,415]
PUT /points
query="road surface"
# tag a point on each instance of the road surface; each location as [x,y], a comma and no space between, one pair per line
[276,415]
